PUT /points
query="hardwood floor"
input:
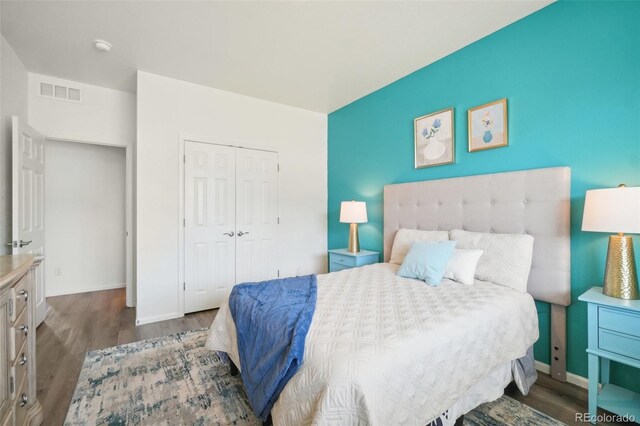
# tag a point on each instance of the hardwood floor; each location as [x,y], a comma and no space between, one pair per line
[83,322]
[87,321]
[559,400]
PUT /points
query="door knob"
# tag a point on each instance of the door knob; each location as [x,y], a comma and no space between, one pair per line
[240,233]
[19,244]
[231,234]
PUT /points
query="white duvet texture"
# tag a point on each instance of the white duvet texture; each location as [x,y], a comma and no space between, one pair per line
[387,350]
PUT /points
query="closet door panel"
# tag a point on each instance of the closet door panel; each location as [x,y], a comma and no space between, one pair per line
[209,224]
[257,215]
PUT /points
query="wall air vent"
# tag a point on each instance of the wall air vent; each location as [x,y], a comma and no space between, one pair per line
[61,93]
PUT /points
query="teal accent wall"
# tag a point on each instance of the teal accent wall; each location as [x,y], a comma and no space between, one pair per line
[571,74]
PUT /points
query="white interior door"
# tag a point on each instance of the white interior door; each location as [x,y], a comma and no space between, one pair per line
[257,215]
[28,202]
[209,224]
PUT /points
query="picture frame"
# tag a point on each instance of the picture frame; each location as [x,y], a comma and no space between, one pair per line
[434,141]
[488,126]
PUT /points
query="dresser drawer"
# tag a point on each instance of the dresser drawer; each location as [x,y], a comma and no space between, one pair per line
[620,321]
[348,261]
[18,335]
[19,368]
[8,420]
[22,405]
[19,296]
[622,344]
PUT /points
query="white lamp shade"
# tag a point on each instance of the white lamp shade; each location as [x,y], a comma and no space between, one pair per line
[614,210]
[353,212]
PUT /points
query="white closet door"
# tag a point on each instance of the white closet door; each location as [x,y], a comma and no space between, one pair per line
[209,224]
[257,215]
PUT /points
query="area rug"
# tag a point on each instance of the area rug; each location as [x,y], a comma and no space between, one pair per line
[174,380]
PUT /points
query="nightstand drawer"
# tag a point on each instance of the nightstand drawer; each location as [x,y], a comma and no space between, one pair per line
[335,267]
[619,343]
[620,321]
[342,260]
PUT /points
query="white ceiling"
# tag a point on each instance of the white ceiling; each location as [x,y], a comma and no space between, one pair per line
[314,55]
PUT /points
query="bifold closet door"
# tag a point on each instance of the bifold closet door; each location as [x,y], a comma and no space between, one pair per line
[210,242]
[256,215]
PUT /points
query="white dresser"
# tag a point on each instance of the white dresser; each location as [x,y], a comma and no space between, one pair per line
[18,403]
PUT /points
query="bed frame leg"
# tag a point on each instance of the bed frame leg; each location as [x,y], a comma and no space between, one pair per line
[559,342]
[233,370]
[459,421]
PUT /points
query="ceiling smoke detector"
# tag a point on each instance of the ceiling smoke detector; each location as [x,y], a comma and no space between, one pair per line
[101,45]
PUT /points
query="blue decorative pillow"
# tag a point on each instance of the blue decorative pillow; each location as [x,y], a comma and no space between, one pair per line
[427,261]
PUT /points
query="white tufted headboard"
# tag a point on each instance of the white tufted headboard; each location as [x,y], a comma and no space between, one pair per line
[535,202]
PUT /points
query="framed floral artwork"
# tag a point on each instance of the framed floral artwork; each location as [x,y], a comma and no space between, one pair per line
[433,139]
[488,126]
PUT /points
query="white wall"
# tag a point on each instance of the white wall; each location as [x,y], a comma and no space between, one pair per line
[105,116]
[85,217]
[169,108]
[13,101]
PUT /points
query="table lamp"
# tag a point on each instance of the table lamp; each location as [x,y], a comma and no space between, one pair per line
[616,210]
[353,213]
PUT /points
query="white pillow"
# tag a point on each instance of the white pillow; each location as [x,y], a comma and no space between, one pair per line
[462,265]
[506,260]
[405,237]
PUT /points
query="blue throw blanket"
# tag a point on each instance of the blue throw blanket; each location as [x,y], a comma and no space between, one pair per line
[272,319]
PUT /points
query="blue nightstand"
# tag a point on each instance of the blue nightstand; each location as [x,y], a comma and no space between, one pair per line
[340,259]
[614,335]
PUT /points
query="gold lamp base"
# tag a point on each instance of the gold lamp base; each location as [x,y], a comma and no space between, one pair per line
[354,243]
[620,276]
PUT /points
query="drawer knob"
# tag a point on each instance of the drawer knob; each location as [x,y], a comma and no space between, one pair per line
[24,328]
[23,293]
[23,359]
[24,400]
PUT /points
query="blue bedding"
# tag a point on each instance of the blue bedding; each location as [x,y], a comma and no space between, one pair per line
[272,319]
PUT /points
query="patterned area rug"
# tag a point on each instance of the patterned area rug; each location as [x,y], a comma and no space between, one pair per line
[507,411]
[174,380]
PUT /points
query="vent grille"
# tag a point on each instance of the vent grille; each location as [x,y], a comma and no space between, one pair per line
[58,92]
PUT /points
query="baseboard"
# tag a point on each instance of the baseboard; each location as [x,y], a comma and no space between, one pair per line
[149,320]
[84,290]
[574,379]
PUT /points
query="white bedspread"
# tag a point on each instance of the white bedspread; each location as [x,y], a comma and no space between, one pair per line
[386,350]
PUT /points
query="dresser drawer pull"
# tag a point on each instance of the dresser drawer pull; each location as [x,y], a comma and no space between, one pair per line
[23,359]
[24,400]
[24,328]
[23,293]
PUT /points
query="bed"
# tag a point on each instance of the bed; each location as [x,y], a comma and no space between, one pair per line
[382,349]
